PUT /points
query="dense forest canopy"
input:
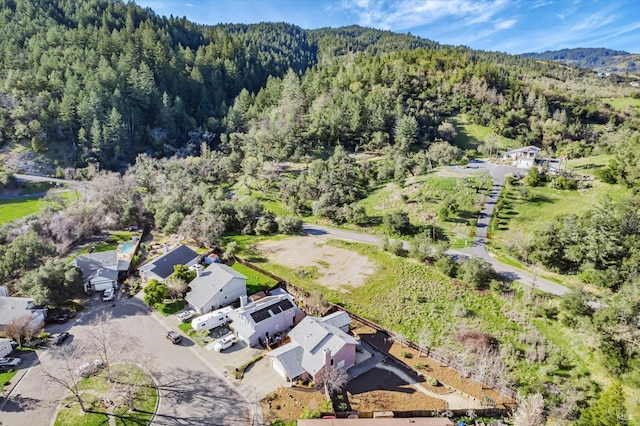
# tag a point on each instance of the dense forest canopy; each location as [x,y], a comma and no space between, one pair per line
[102,81]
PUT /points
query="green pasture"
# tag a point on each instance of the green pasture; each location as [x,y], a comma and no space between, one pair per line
[622,104]
[18,207]
[471,136]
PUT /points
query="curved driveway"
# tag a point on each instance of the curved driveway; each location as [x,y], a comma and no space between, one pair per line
[498,173]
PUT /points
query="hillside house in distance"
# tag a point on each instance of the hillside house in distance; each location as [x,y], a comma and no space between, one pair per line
[315,344]
[161,267]
[524,158]
[267,319]
[217,286]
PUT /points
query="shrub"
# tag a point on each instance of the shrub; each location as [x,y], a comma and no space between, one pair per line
[398,222]
[476,272]
[310,413]
[420,365]
[290,225]
[432,381]
[406,354]
[447,266]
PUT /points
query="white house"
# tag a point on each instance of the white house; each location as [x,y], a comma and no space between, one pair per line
[6,347]
[315,344]
[524,157]
[266,319]
[14,308]
[217,286]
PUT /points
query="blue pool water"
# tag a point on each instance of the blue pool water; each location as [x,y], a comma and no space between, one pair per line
[127,248]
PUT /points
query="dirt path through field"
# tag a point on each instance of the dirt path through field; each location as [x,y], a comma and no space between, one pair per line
[337,267]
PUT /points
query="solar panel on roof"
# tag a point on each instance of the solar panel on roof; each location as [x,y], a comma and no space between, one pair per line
[260,315]
[285,304]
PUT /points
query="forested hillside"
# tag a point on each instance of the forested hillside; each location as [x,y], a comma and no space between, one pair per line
[595,59]
[100,82]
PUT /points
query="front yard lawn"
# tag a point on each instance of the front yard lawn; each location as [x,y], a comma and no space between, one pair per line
[97,389]
[171,307]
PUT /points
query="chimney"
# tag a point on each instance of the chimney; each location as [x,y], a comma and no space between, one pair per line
[243,300]
[198,270]
[327,358]
[166,248]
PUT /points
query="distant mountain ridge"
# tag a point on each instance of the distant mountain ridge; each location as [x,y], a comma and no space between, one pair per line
[597,59]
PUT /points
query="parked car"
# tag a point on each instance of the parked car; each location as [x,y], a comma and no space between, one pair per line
[174,337]
[90,369]
[108,295]
[56,319]
[60,338]
[224,342]
[10,362]
[186,315]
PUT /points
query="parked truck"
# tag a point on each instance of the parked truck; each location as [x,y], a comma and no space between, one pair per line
[212,320]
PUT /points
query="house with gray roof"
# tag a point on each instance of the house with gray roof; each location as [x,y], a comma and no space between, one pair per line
[523,157]
[101,270]
[265,320]
[315,344]
[14,308]
[161,267]
[217,286]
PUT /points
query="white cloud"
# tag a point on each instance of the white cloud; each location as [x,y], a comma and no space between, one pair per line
[541,3]
[405,14]
[505,25]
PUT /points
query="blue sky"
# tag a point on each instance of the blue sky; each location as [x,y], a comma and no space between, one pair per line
[513,26]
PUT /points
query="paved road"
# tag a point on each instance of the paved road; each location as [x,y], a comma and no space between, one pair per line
[190,393]
[478,249]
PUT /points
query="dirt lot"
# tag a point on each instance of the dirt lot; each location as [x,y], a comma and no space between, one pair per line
[336,266]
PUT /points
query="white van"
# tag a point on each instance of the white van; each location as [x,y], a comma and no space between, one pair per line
[109,295]
[224,342]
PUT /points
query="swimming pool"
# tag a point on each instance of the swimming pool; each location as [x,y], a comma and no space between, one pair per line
[126,248]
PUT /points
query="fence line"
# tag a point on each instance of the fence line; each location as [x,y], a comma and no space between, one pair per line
[302,294]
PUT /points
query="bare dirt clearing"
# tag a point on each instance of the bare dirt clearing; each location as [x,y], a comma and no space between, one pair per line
[337,267]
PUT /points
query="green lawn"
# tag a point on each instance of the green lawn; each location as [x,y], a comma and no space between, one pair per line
[94,388]
[589,165]
[622,104]
[171,307]
[5,378]
[471,136]
[255,280]
[16,208]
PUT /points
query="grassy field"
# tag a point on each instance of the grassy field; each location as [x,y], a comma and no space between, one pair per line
[544,203]
[589,165]
[471,136]
[622,104]
[421,198]
[16,208]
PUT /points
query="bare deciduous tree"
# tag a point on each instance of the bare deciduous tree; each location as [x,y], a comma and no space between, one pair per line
[19,329]
[130,378]
[530,411]
[62,370]
[108,341]
[333,379]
